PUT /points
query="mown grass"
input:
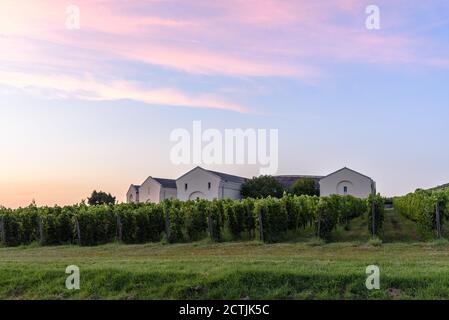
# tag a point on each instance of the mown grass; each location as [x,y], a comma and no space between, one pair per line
[309,269]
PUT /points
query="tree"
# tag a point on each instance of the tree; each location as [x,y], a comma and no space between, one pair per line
[262,187]
[305,186]
[101,197]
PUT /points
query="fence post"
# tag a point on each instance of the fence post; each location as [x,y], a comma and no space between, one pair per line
[41,229]
[261,226]
[78,231]
[437,213]
[209,224]
[119,228]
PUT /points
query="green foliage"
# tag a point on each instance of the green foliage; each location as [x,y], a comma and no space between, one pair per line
[57,224]
[140,223]
[334,210]
[173,212]
[176,221]
[305,186]
[217,212]
[327,216]
[350,208]
[99,198]
[375,242]
[240,217]
[377,203]
[420,207]
[262,187]
[97,224]
[274,215]
[196,216]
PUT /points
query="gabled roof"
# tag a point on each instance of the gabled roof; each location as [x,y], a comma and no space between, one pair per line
[346,168]
[288,180]
[223,176]
[166,183]
[135,187]
[228,177]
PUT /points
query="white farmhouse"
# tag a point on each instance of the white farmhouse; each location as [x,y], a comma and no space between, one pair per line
[347,182]
[200,183]
[152,190]
[132,196]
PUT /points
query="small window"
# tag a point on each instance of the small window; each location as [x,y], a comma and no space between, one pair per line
[185,186]
[345,190]
[209,185]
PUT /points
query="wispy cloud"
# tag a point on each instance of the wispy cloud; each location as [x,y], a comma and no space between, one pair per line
[88,88]
[232,38]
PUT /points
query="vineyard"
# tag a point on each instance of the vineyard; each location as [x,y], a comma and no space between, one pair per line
[269,220]
[427,208]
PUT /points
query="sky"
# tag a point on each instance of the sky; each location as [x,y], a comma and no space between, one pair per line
[93,107]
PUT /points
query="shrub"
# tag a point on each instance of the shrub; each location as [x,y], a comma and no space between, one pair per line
[305,186]
[11,227]
[173,213]
[350,208]
[196,216]
[178,221]
[57,224]
[140,223]
[274,218]
[28,220]
[262,187]
[97,224]
[99,198]
[240,217]
[327,216]
[375,202]
[217,218]
[420,207]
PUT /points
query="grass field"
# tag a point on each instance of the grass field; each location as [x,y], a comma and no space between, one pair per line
[306,269]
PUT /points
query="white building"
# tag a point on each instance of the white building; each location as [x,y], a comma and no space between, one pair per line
[347,182]
[200,183]
[152,190]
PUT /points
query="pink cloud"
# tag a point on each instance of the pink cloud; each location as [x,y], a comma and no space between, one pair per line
[234,38]
[88,88]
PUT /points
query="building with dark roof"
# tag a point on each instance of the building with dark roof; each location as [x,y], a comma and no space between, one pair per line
[200,183]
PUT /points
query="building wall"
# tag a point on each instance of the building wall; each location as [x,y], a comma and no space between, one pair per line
[168,193]
[132,196]
[197,182]
[150,191]
[230,190]
[357,185]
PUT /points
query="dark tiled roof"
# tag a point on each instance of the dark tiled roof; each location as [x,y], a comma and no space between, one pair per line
[229,177]
[288,181]
[166,183]
[135,187]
